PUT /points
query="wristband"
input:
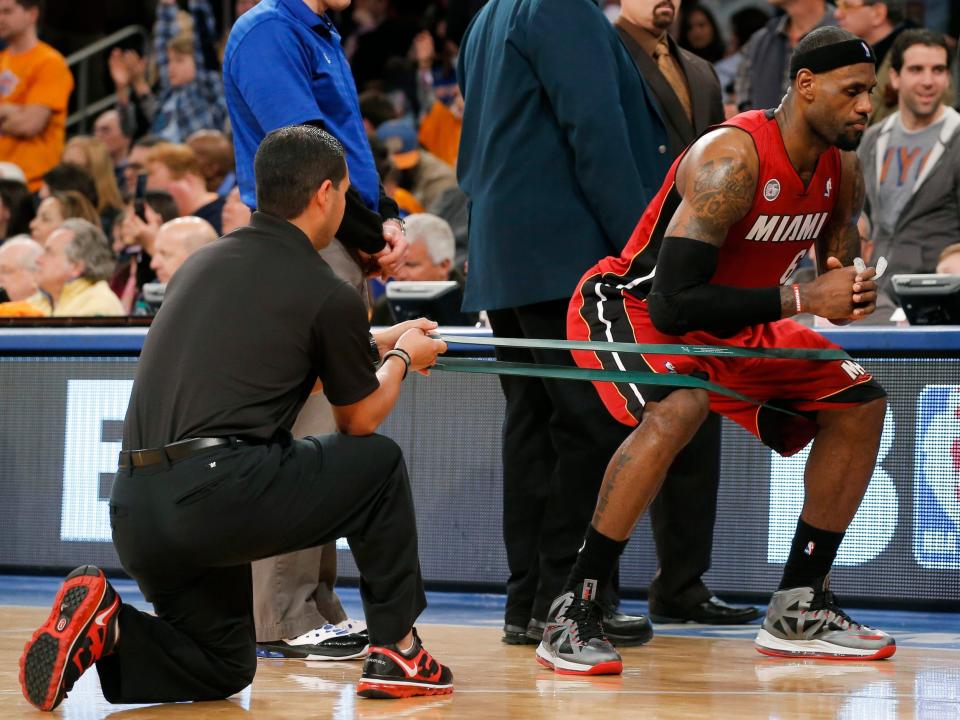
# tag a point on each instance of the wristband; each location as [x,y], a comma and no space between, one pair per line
[403,355]
[796,296]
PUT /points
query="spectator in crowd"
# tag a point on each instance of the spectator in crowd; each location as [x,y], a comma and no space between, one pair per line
[159,207]
[375,109]
[366,17]
[949,262]
[235,214]
[92,155]
[18,268]
[117,138]
[215,153]
[136,164]
[879,22]
[308,81]
[911,164]
[684,511]
[16,209]
[764,73]
[135,100]
[133,244]
[439,98]
[422,173]
[67,176]
[176,169]
[35,86]
[190,89]
[177,240]
[743,24]
[390,177]
[73,270]
[558,168]
[700,34]
[432,248]
[56,208]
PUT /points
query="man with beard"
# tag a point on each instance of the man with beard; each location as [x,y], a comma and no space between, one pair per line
[706,265]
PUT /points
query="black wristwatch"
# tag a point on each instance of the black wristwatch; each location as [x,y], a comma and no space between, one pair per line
[374,350]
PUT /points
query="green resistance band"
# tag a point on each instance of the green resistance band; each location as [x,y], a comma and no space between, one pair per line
[621,347]
[560,372]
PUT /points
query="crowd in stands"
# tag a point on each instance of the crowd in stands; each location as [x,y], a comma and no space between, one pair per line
[156,175]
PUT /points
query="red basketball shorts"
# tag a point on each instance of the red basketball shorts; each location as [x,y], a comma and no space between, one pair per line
[600,312]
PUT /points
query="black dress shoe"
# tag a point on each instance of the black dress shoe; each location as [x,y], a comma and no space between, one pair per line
[626,630]
[535,631]
[520,635]
[710,612]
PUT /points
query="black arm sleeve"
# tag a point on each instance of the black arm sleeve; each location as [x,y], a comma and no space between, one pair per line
[361,227]
[683,300]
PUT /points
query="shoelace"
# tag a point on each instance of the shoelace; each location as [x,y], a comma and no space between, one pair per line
[586,615]
[825,600]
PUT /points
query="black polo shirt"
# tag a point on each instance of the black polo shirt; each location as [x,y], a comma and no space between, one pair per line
[248,324]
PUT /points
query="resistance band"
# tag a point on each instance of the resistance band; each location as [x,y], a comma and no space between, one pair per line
[561,372]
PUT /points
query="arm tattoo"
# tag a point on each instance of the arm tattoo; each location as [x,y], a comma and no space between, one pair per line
[719,195]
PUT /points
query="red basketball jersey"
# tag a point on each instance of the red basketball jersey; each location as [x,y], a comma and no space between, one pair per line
[762,249]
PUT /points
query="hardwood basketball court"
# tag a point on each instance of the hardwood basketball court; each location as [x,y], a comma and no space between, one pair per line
[672,677]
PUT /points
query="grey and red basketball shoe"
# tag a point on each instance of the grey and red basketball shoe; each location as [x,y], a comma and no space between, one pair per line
[81,629]
[573,639]
[807,623]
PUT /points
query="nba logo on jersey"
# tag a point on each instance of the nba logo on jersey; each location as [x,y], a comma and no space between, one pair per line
[809,549]
[771,191]
[936,493]
[828,188]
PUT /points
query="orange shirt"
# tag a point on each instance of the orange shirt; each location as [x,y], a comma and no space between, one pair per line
[440,133]
[39,76]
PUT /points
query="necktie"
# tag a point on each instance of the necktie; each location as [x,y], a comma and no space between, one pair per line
[668,66]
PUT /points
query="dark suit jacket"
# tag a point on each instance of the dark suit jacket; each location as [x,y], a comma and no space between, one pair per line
[706,97]
[559,148]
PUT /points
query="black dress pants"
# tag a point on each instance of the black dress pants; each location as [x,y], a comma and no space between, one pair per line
[187,533]
[557,441]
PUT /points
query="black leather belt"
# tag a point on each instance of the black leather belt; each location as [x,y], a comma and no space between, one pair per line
[170,453]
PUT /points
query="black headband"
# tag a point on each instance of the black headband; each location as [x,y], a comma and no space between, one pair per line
[830,57]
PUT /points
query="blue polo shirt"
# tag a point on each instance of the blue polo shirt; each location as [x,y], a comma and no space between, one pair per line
[283,66]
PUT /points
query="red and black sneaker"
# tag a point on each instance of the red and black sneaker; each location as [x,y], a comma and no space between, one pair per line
[390,674]
[81,629]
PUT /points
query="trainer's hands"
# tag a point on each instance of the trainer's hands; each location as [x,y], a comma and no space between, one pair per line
[387,338]
[841,294]
[421,348]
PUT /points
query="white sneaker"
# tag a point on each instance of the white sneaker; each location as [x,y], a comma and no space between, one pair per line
[347,640]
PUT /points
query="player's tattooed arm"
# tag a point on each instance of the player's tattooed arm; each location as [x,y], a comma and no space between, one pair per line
[717,181]
[841,238]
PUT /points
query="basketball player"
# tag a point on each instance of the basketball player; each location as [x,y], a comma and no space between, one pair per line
[706,266]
